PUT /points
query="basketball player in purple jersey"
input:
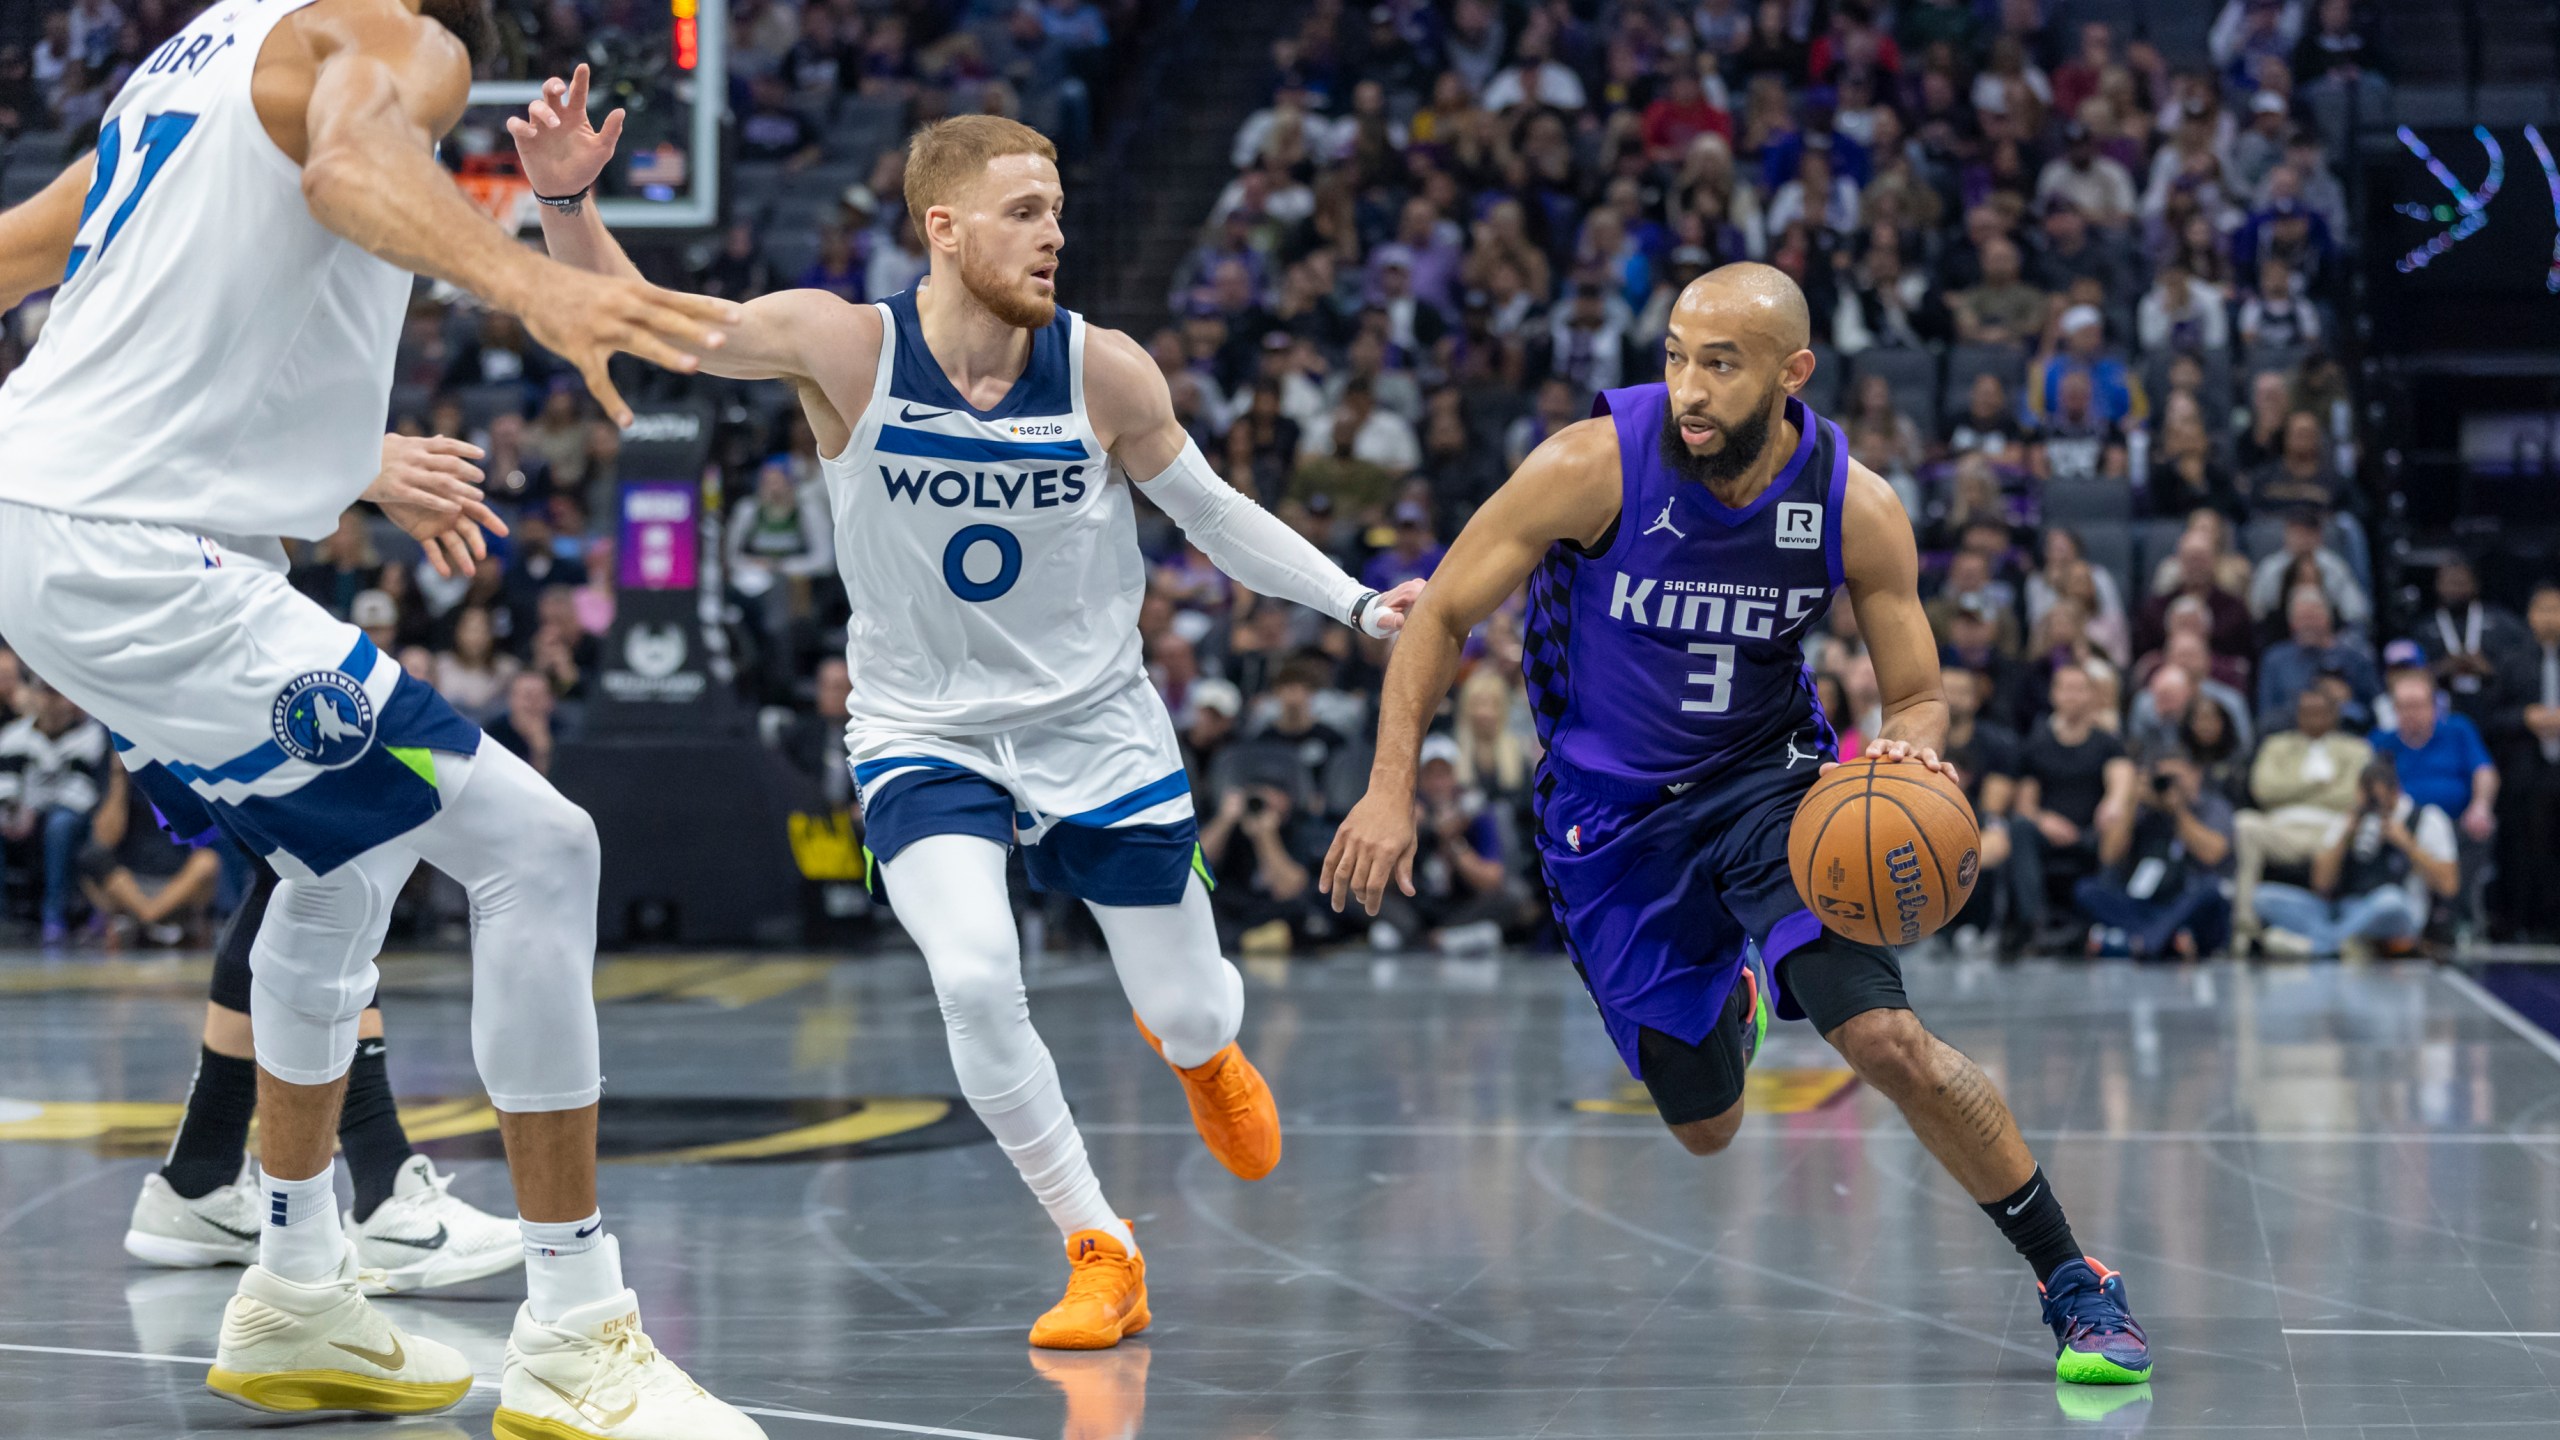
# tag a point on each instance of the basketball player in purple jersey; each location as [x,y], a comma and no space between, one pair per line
[1678,547]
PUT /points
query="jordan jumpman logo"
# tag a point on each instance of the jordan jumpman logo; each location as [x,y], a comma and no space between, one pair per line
[1663,522]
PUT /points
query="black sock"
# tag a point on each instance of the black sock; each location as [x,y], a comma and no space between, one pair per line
[369,1128]
[214,1134]
[2033,1220]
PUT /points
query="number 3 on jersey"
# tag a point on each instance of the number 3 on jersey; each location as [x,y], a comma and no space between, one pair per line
[158,139]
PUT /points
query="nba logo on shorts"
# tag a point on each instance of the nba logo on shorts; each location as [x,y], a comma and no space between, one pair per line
[324,717]
[1799,526]
[1573,837]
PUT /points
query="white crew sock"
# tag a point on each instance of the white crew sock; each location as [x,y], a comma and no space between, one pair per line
[1032,1123]
[302,1241]
[569,1264]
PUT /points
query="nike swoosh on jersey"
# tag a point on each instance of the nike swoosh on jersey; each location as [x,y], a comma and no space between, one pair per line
[604,1418]
[391,1359]
[432,1242]
[910,415]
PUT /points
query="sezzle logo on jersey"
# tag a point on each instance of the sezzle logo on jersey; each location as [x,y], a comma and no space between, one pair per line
[1709,607]
[987,489]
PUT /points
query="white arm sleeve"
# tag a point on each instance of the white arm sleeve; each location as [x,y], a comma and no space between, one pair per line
[1247,541]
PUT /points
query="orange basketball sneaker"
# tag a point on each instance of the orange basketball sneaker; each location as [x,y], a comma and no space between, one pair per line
[1106,1299]
[1231,1107]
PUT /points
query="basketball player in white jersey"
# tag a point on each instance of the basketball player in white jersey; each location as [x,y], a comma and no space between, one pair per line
[975,438]
[234,265]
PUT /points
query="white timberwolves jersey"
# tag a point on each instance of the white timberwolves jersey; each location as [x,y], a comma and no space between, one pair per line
[215,360]
[993,566]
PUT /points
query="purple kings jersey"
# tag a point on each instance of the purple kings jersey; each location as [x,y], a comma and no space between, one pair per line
[1674,650]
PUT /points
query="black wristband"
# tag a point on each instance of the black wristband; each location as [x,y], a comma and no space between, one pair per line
[566,202]
[1360,610]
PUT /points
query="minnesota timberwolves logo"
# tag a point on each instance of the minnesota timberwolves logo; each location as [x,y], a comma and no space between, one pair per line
[324,717]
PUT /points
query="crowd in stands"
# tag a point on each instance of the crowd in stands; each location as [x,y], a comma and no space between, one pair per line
[2076,304]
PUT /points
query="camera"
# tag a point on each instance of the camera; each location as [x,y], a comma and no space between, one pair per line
[1255,805]
[2163,784]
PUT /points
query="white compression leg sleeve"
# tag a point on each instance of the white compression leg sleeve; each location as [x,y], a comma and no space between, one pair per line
[948,891]
[311,968]
[1174,974]
[530,862]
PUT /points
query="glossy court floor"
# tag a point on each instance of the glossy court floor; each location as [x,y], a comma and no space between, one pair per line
[2335,1193]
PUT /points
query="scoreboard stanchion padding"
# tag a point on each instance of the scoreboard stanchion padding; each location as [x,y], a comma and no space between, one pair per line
[697,826]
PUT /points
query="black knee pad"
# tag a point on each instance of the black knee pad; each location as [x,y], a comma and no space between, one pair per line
[231,955]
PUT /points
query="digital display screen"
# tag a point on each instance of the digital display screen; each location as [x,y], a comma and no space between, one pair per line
[2462,238]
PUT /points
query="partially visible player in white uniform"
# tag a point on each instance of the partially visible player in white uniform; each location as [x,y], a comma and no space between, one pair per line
[980,444]
[234,267]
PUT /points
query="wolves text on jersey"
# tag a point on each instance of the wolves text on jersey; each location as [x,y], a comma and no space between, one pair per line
[987,489]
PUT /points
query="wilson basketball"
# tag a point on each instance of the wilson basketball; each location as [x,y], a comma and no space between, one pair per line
[1884,851]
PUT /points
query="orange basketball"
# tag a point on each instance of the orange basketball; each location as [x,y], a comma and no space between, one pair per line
[1884,851]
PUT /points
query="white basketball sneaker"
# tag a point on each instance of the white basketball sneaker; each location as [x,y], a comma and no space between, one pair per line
[593,1375]
[293,1349]
[219,1227]
[422,1237]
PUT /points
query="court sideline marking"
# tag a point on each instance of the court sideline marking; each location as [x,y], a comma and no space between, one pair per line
[847,1421]
[2502,1012]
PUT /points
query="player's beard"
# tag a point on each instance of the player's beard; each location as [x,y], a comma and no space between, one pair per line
[471,21]
[1001,292]
[1741,449]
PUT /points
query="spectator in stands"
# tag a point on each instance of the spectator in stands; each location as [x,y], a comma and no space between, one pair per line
[53,763]
[2335,51]
[474,673]
[2527,728]
[2303,781]
[2259,147]
[1265,885]
[2312,654]
[2305,558]
[779,541]
[2078,440]
[2186,474]
[1535,76]
[2287,233]
[2080,349]
[2164,857]
[2438,755]
[1358,428]
[2195,577]
[1984,750]
[2471,644]
[2179,314]
[138,877]
[1989,423]
[22,101]
[1682,113]
[340,567]
[771,128]
[2274,322]
[1463,892]
[2073,781]
[2003,308]
[2372,881]
[2092,184]
[526,728]
[2302,473]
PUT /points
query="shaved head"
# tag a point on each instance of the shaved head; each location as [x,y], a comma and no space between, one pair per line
[1738,348]
[1749,298]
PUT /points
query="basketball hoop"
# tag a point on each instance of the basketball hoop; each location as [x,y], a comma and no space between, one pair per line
[502,193]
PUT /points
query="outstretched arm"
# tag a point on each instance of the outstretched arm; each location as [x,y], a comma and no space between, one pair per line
[36,234]
[1133,413]
[383,84]
[794,335]
[1566,490]
[1882,565]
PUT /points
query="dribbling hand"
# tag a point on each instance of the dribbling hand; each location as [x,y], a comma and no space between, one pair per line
[431,490]
[1375,841]
[561,150]
[1896,751]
